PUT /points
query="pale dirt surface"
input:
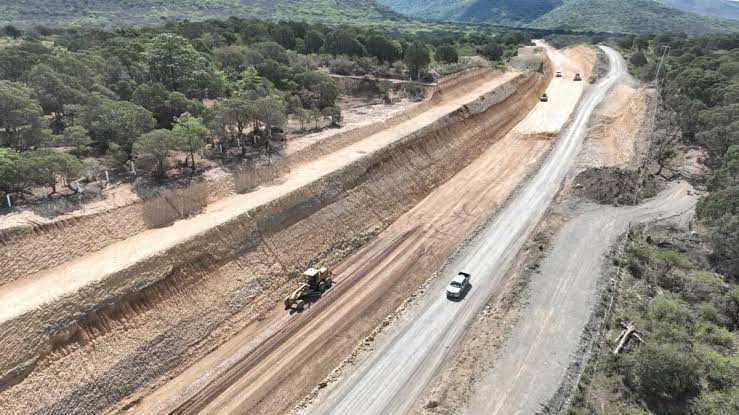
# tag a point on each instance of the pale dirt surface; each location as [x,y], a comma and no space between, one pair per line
[535,358]
[405,359]
[625,119]
[27,294]
[352,118]
[264,369]
[174,321]
[583,57]
[520,354]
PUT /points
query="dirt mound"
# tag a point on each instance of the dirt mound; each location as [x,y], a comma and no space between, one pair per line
[607,185]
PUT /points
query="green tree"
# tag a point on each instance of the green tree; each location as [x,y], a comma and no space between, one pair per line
[284,35]
[447,54]
[314,41]
[492,51]
[156,145]
[271,112]
[417,57]
[78,138]
[665,374]
[9,173]
[109,121]
[317,89]
[382,48]
[12,31]
[232,116]
[728,174]
[55,90]
[45,166]
[20,116]
[333,114]
[174,63]
[638,59]
[191,133]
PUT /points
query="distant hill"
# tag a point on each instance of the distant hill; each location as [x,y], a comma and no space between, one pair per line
[631,16]
[728,9]
[147,12]
[486,11]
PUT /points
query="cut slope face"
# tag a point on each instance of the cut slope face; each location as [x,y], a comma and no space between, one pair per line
[86,334]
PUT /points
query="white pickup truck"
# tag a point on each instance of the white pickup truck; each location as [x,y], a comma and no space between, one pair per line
[459,286]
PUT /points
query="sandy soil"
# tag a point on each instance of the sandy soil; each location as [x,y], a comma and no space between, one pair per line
[150,323]
[353,118]
[393,376]
[266,366]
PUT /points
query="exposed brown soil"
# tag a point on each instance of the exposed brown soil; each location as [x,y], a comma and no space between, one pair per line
[95,348]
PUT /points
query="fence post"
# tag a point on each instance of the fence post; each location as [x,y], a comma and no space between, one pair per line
[107,177]
[133,168]
[10,204]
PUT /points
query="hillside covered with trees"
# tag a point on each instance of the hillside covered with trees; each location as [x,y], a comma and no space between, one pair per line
[626,16]
[29,13]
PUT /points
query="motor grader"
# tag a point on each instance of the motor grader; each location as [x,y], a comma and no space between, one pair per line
[317,281]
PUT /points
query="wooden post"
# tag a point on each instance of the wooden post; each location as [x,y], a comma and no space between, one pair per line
[624,338]
[133,168]
[107,177]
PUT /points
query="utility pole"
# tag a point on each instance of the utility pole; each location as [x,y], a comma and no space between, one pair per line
[659,67]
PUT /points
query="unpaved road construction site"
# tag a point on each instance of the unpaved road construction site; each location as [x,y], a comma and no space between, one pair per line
[106,314]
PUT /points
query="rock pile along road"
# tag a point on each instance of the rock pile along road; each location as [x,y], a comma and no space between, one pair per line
[393,377]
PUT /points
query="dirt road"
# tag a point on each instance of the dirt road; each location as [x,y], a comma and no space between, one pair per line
[535,358]
[269,366]
[56,283]
[394,375]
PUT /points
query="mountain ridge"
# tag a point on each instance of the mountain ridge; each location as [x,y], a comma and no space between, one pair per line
[581,15]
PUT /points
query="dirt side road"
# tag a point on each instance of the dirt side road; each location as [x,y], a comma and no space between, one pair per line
[392,377]
[535,358]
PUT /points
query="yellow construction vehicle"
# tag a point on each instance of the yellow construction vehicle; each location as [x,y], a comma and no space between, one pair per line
[317,281]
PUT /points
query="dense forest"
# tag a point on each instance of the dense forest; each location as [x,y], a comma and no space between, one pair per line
[74,102]
[681,294]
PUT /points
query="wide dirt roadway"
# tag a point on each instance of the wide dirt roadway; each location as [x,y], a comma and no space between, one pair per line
[393,376]
[535,358]
[272,364]
[55,284]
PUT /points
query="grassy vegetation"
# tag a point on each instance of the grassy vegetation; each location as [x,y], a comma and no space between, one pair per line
[680,290]
[687,316]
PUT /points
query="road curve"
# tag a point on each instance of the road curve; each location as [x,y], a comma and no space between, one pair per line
[534,360]
[391,380]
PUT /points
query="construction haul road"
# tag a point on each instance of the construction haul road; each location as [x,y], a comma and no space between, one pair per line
[273,363]
[394,376]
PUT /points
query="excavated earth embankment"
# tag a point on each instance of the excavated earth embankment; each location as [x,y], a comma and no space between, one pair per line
[86,351]
[26,250]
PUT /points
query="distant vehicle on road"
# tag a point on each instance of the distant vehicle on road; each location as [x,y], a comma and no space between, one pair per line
[559,74]
[544,98]
[459,286]
[577,77]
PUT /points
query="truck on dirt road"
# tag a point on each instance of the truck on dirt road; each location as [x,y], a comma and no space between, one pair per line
[317,281]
